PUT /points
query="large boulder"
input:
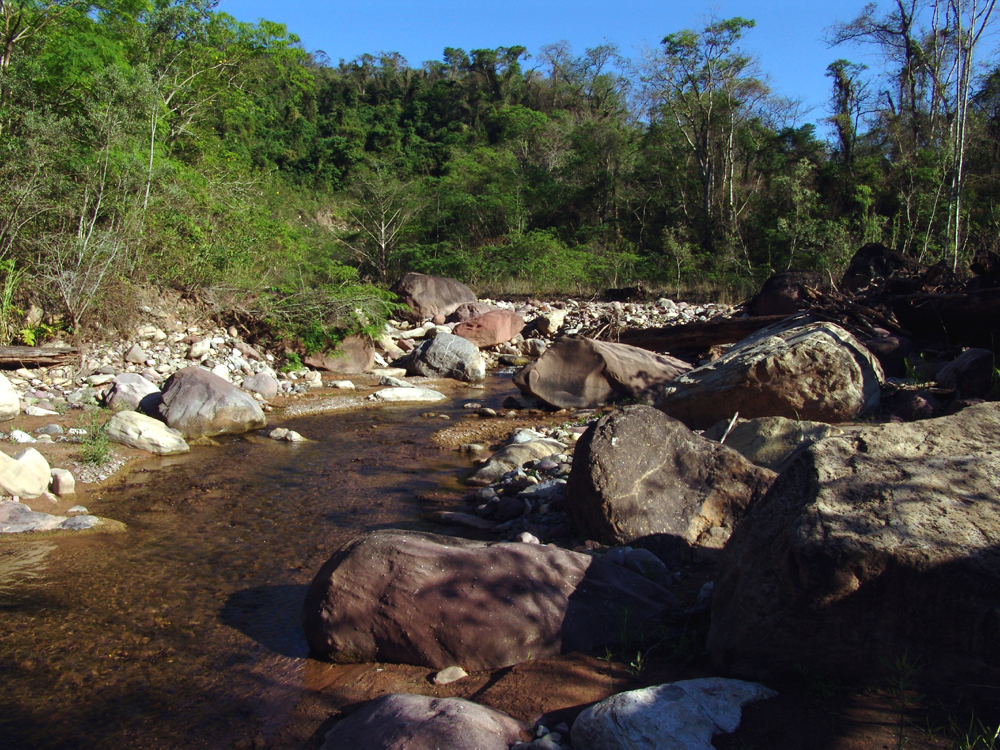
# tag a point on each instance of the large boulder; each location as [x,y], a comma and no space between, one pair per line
[490,329]
[871,548]
[770,441]
[511,457]
[427,296]
[468,311]
[199,403]
[434,601]
[403,721]
[128,390]
[873,265]
[577,372]
[10,402]
[448,356]
[354,355]
[681,715]
[27,474]
[145,433]
[784,293]
[640,475]
[816,371]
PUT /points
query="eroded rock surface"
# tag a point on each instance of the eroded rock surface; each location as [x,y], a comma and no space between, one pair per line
[448,356]
[868,547]
[428,296]
[817,372]
[639,474]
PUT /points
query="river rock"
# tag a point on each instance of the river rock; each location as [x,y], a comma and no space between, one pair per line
[784,293]
[577,372]
[448,356]
[816,371]
[263,383]
[770,441]
[403,721]
[128,390]
[870,547]
[145,433]
[397,394]
[427,296]
[199,403]
[468,311]
[62,482]
[27,474]
[681,715]
[354,355]
[511,457]
[639,474]
[495,327]
[549,323]
[10,403]
[18,518]
[136,355]
[415,598]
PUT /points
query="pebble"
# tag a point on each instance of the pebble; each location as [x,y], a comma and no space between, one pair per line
[449,675]
[343,385]
[21,437]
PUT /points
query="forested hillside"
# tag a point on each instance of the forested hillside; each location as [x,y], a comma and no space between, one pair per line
[162,142]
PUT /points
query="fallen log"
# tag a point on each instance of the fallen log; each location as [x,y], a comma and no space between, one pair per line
[696,336]
[36,356]
[967,319]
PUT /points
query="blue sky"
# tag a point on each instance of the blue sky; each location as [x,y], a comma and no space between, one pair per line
[788,38]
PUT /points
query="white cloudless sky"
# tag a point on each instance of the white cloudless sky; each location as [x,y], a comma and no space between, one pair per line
[788,38]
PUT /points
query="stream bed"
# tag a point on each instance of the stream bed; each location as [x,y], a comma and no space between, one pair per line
[185,630]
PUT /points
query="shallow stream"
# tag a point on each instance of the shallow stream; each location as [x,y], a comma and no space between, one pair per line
[185,631]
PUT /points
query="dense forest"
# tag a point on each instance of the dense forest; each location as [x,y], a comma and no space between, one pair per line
[161,142]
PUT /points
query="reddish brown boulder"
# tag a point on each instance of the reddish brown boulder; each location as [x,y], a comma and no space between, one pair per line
[495,327]
[639,474]
[577,372]
[428,296]
[354,355]
[403,721]
[468,311]
[435,601]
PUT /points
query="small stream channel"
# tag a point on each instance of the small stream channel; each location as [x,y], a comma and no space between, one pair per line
[184,631]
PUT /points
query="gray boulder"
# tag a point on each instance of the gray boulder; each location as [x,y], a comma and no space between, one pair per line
[27,474]
[577,372]
[199,403]
[10,403]
[638,474]
[145,433]
[263,383]
[816,371]
[435,601]
[448,356]
[427,296]
[402,721]
[868,548]
[401,394]
[511,457]
[18,518]
[128,390]
[676,716]
[770,441]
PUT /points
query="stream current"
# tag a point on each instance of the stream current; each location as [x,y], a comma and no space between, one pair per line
[184,631]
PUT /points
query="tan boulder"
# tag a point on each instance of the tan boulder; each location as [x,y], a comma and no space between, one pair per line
[495,327]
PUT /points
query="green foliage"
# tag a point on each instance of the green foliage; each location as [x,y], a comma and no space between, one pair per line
[95,446]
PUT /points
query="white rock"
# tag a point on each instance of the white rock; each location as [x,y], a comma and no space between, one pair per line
[393,395]
[449,675]
[199,349]
[293,437]
[145,433]
[21,437]
[37,411]
[676,716]
[78,509]
[278,433]
[223,372]
[62,482]
[344,385]
[24,475]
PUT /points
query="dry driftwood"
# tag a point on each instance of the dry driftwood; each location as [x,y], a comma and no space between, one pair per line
[36,356]
[696,336]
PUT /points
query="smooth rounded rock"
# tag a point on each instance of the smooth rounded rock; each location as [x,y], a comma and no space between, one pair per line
[199,403]
[145,433]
